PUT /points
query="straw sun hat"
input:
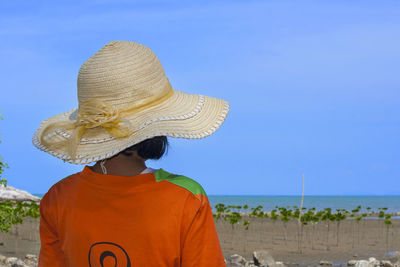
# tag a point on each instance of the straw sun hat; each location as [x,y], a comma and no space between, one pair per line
[124,98]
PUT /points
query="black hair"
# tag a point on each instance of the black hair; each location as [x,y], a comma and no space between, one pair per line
[152,148]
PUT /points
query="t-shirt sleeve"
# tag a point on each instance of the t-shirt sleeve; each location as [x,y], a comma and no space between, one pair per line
[201,246]
[51,254]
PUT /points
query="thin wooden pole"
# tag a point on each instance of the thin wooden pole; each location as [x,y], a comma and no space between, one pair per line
[302,198]
[300,231]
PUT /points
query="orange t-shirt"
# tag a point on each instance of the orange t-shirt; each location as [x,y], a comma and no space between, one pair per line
[152,219]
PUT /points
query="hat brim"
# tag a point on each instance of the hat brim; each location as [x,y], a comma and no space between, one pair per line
[182,115]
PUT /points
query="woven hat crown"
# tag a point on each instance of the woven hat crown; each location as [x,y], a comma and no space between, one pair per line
[125,98]
[124,74]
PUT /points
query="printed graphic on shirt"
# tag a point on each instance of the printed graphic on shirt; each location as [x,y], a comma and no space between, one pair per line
[108,254]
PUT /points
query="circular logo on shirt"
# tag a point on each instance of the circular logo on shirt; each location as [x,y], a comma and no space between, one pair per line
[107,254]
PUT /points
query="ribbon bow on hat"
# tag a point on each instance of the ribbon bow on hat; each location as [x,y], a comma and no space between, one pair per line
[98,113]
[92,113]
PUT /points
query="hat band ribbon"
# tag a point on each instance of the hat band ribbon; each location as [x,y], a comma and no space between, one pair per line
[97,113]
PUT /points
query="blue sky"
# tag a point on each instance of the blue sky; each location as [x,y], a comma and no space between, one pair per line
[314,88]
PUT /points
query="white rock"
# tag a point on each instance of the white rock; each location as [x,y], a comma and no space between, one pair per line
[19,263]
[31,260]
[15,262]
[374,262]
[12,193]
[362,263]
[31,257]
[262,257]
[351,262]
[11,260]
[235,258]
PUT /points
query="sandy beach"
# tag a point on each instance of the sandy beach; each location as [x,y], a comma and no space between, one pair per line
[321,241]
[368,238]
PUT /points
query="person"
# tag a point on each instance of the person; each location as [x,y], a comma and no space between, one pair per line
[120,212]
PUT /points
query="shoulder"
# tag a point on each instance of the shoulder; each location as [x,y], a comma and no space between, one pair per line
[180,180]
[67,181]
[57,188]
[195,198]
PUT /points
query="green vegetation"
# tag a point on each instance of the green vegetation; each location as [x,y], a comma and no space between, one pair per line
[13,212]
[239,215]
[234,214]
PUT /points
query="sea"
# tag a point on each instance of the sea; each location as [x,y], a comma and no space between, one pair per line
[268,203]
[392,203]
